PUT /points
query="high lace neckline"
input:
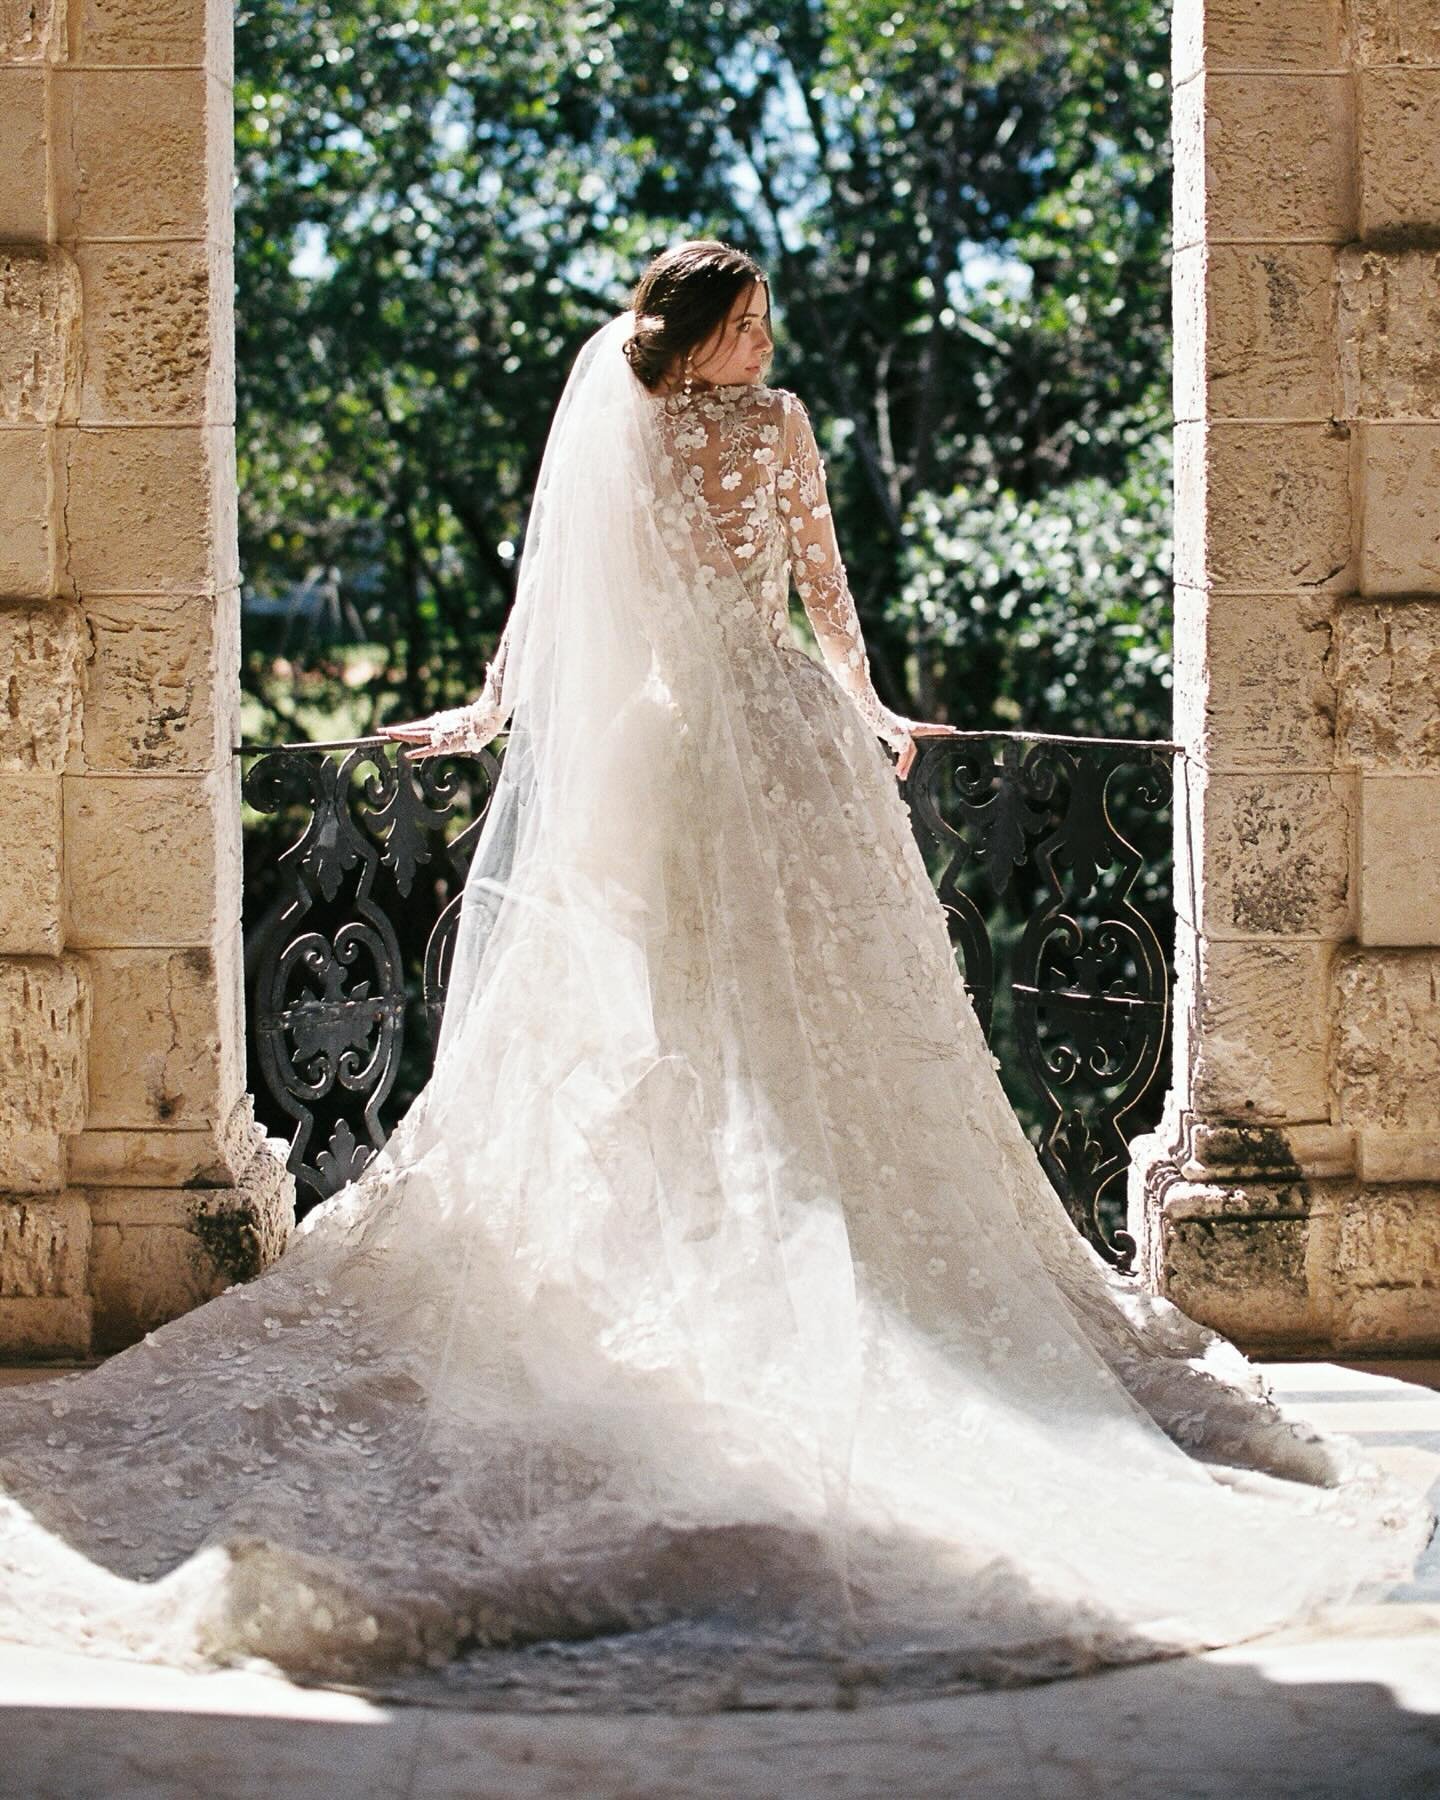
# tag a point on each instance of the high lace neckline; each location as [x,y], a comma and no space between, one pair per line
[725,394]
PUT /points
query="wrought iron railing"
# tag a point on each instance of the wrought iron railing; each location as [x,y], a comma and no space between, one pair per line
[1049,853]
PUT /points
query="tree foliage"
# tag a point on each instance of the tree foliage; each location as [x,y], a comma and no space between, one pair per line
[963,204]
[1057,606]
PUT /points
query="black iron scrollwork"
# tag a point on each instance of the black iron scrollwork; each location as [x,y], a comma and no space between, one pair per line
[330,981]
[1032,842]
[1035,830]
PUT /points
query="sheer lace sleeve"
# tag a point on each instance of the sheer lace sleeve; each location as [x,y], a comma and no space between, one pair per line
[472,726]
[819,576]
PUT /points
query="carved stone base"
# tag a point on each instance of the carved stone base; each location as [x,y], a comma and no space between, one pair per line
[93,1269]
[158,1252]
[1289,1262]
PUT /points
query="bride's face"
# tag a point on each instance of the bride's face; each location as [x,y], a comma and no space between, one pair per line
[739,351]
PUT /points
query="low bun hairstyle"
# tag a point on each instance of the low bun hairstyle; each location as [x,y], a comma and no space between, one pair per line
[682,300]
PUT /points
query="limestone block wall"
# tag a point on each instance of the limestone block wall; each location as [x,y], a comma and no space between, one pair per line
[133,1181]
[1292,1196]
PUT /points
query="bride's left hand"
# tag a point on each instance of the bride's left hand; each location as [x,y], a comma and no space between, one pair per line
[919,729]
[416,735]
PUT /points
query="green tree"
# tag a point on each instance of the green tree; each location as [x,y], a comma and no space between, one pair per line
[1058,605]
[963,204]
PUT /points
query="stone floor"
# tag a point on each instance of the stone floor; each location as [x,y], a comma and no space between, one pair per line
[1352,1713]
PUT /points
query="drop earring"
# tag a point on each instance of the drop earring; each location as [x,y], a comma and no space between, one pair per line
[687,386]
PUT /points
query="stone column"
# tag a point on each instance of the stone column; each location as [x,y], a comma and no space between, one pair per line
[1292,1195]
[134,1180]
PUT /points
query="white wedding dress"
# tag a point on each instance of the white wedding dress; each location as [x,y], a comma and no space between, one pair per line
[708,1332]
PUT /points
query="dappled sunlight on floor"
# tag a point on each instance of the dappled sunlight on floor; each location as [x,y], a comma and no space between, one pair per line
[1393,1409]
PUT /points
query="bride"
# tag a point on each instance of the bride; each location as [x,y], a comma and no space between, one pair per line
[707,1329]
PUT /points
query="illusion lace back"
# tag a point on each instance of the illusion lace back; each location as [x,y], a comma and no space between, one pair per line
[708,1328]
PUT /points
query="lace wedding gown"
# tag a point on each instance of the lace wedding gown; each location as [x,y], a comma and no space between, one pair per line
[708,1331]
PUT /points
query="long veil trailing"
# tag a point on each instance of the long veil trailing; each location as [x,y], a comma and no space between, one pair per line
[709,1311]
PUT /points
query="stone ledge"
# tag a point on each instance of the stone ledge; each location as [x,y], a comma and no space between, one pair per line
[1398,1156]
[194,1159]
[97,1267]
[1298,1266]
[1226,1150]
[149,1157]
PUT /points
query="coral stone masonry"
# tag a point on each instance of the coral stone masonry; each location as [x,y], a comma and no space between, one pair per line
[133,1180]
[1292,1195]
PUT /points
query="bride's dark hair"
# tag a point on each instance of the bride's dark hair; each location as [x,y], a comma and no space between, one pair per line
[682,299]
